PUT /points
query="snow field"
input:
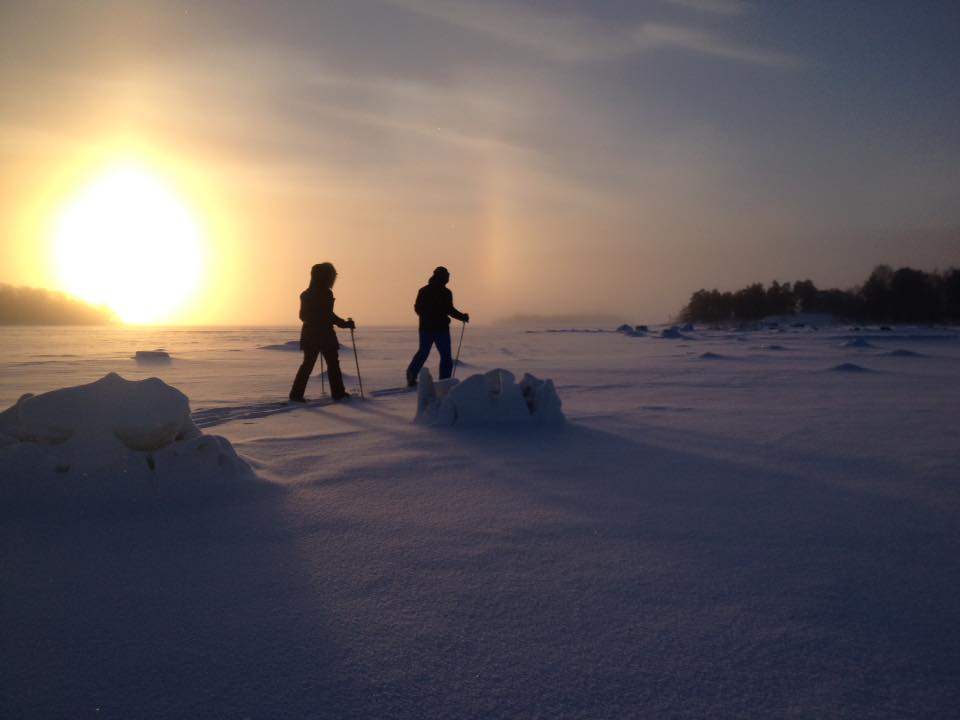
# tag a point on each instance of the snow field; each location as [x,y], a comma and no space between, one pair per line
[756,536]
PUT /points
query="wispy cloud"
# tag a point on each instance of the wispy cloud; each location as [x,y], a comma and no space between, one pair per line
[575,39]
[713,7]
[556,36]
[654,36]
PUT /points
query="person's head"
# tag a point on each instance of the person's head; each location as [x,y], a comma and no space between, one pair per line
[441,275]
[323,275]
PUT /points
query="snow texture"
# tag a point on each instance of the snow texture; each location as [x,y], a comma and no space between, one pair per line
[492,398]
[112,440]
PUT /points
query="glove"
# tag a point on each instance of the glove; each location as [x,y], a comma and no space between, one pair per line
[466,317]
[351,325]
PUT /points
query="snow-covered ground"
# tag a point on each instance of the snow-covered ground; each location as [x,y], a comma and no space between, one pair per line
[728,524]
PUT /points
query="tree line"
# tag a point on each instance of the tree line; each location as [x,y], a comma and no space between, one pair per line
[34,306]
[905,295]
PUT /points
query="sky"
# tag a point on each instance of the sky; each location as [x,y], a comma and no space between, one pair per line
[559,156]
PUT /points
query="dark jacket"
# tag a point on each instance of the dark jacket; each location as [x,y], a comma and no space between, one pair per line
[435,307]
[316,311]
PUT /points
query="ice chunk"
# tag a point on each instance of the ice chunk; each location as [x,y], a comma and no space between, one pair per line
[630,331]
[142,415]
[111,439]
[152,357]
[542,399]
[494,398]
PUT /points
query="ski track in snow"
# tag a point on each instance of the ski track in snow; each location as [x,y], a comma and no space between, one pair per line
[759,538]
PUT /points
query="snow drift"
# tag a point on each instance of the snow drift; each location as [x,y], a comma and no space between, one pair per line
[858,343]
[493,398]
[850,368]
[289,346]
[110,440]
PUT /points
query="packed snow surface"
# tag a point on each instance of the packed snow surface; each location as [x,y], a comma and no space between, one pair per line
[757,537]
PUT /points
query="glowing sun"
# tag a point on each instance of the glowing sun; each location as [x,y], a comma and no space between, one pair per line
[127,242]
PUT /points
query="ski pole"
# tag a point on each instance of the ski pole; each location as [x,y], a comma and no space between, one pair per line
[463,326]
[356,359]
[323,390]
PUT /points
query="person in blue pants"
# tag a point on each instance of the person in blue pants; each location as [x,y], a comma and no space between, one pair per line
[434,306]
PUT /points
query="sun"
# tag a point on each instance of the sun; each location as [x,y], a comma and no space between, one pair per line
[126,241]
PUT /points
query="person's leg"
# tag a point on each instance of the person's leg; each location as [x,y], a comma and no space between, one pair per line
[420,357]
[331,354]
[310,354]
[443,347]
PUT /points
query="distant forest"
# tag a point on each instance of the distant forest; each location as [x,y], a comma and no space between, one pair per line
[33,306]
[905,295]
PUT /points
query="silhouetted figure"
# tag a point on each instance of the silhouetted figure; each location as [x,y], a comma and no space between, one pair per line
[435,307]
[318,335]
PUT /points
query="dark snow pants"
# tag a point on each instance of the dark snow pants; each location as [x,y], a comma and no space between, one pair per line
[311,351]
[429,338]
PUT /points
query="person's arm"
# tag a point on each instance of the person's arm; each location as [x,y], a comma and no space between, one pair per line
[418,305]
[341,323]
[456,314]
[334,318]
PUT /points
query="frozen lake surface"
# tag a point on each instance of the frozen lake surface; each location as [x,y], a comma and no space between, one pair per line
[729,524]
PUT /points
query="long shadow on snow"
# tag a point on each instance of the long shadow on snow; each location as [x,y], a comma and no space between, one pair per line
[195,612]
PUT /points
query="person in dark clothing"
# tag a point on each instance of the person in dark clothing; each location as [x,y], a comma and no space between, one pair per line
[318,335]
[434,306]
